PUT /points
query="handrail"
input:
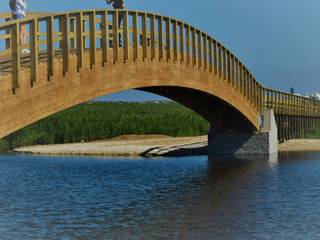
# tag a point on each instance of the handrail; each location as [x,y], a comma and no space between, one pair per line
[146,35]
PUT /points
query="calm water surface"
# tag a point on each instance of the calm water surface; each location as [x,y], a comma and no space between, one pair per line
[171,198]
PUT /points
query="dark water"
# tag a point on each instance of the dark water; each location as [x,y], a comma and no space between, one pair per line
[172,198]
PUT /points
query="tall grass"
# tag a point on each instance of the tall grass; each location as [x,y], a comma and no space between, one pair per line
[100,120]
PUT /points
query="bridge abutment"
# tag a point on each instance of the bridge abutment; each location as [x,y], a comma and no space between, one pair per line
[263,142]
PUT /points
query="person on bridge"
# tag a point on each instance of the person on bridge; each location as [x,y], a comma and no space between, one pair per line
[18,10]
[118,4]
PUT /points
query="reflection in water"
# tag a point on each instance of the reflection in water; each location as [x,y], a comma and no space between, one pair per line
[172,198]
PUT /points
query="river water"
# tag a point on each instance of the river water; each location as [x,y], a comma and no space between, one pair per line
[169,198]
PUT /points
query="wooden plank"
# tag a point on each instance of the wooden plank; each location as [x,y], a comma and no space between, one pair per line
[168,40]
[33,51]
[194,47]
[153,36]
[205,51]
[135,36]
[93,47]
[115,37]
[15,56]
[104,37]
[188,45]
[50,45]
[199,37]
[144,36]
[215,56]
[65,46]
[210,54]
[175,40]
[160,37]
[182,43]
[126,39]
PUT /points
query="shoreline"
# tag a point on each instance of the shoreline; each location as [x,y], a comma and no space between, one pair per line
[125,146]
[149,146]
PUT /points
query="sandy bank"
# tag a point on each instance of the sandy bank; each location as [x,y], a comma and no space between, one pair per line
[307,145]
[133,145]
[149,145]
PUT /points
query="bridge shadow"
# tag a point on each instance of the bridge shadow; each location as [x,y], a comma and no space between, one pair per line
[193,149]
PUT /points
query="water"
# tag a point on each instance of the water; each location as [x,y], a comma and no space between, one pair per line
[171,198]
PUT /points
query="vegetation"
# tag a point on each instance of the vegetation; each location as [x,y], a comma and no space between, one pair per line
[314,134]
[101,120]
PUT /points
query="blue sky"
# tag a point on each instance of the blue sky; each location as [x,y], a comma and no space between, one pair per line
[278,40]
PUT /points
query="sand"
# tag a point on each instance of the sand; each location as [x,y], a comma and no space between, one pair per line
[297,145]
[129,145]
[149,145]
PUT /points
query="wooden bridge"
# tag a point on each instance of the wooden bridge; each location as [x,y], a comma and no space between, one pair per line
[78,56]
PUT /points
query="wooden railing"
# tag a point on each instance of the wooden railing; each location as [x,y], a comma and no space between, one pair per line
[138,36]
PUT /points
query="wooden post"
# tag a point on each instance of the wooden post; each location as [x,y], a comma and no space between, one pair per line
[210,54]
[144,36]
[205,52]
[215,56]
[194,47]
[160,37]
[168,47]
[126,39]
[153,37]
[64,42]
[33,51]
[50,45]
[135,36]
[15,56]
[182,43]
[80,38]
[188,45]
[92,19]
[175,41]
[115,37]
[199,33]
[104,36]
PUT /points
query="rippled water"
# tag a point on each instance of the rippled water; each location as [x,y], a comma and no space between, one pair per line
[171,198]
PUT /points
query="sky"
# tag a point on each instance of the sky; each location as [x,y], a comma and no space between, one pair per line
[278,40]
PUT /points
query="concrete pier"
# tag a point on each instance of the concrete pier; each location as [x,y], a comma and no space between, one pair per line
[263,142]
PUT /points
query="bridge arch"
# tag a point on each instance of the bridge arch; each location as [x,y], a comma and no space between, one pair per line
[188,87]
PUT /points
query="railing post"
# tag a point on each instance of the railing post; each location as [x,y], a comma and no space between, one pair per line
[80,38]
[210,54]
[126,38]
[205,52]
[144,36]
[182,43]
[50,45]
[194,48]
[135,36]
[115,37]
[92,22]
[34,51]
[215,56]
[199,34]
[15,56]
[153,37]
[168,39]
[175,41]
[188,45]
[64,42]
[104,36]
